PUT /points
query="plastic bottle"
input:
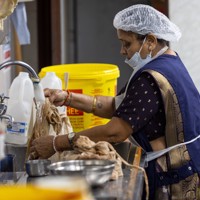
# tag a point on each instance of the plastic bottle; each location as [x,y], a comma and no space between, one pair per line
[20,104]
[2,140]
[52,81]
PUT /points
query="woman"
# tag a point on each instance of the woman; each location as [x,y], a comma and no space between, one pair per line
[159,106]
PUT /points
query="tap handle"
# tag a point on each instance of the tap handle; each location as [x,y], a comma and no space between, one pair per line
[3,106]
[3,97]
[3,109]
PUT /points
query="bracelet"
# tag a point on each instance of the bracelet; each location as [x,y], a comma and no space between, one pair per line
[68,99]
[94,104]
[54,145]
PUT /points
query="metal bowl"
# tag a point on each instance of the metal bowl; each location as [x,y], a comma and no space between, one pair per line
[96,172]
[37,167]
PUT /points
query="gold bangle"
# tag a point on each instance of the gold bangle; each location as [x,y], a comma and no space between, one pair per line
[94,104]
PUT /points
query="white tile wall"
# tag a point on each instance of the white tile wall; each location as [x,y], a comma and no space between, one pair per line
[186,15]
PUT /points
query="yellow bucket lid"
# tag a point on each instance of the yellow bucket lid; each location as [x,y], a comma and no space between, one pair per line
[84,70]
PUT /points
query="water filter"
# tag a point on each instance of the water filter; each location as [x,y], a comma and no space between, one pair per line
[50,80]
[20,106]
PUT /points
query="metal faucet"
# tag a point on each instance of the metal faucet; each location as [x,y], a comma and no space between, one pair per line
[38,90]
[35,77]
[3,108]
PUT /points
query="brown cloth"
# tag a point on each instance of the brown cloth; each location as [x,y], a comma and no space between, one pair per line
[49,122]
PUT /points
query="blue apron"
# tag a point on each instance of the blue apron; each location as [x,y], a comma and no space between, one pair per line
[188,97]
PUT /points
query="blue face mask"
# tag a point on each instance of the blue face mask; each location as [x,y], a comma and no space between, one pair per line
[136,62]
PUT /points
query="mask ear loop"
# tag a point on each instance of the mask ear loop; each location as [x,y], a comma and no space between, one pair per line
[148,55]
[150,52]
[142,45]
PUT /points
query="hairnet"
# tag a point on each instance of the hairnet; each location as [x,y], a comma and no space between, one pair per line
[144,19]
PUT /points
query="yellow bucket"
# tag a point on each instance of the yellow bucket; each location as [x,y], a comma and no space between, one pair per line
[86,78]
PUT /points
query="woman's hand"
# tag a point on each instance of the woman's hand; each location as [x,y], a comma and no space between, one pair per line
[57,97]
[42,148]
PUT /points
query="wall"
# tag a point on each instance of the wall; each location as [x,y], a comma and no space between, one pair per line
[97,41]
[185,14]
[30,51]
[97,38]
[89,33]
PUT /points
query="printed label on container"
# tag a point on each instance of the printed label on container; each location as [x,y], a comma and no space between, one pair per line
[18,128]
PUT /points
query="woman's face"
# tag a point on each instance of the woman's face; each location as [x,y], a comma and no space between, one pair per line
[130,44]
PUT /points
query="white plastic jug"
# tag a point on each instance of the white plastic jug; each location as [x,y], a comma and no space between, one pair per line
[52,81]
[20,104]
[2,140]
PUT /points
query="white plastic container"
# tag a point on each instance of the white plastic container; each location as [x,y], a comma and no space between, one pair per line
[2,140]
[52,81]
[20,104]
[5,73]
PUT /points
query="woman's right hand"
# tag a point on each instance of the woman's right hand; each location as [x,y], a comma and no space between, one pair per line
[56,96]
[42,147]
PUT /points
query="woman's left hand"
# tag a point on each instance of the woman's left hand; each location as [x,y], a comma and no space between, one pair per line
[42,148]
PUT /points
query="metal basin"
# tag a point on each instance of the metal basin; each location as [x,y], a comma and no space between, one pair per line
[37,167]
[96,172]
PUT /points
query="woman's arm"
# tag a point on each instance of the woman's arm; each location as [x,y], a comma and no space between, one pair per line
[115,131]
[102,106]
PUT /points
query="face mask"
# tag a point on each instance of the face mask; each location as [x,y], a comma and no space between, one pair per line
[136,61]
